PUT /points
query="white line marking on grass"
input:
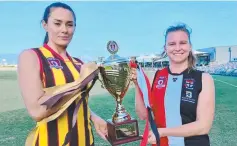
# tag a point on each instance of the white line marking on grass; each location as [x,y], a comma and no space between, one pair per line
[226,83]
[6,139]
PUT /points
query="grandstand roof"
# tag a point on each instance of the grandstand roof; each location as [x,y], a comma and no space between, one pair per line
[199,52]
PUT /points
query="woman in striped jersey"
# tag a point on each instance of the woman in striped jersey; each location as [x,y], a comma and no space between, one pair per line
[182,98]
[48,66]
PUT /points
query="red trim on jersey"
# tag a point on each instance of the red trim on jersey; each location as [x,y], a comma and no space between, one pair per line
[40,62]
[53,52]
[78,60]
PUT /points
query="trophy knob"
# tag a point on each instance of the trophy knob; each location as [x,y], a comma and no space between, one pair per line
[120,115]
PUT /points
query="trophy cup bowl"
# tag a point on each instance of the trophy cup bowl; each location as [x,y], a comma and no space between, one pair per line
[115,78]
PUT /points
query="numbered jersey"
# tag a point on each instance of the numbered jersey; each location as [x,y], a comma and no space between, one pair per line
[174,103]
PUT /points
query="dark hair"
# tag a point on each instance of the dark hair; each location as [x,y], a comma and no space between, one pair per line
[48,10]
[183,27]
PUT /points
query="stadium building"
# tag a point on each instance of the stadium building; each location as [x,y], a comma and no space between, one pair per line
[216,55]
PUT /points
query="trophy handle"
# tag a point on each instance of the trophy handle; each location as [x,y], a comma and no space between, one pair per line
[101,76]
[104,79]
[102,85]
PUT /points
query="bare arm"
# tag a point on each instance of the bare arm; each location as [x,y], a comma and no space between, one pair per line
[100,125]
[92,115]
[205,113]
[31,86]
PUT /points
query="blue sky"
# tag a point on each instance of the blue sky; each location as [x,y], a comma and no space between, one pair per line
[138,27]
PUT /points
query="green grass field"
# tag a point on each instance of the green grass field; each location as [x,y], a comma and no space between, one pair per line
[15,122]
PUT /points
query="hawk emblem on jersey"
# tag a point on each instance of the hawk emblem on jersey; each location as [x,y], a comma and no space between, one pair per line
[189,84]
[54,63]
[161,82]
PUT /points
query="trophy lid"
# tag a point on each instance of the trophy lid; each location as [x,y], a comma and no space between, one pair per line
[112,47]
[115,59]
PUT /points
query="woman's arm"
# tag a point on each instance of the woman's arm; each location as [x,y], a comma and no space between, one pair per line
[31,86]
[100,125]
[92,114]
[139,104]
[205,113]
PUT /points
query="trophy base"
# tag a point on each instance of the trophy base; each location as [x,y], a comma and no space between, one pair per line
[123,132]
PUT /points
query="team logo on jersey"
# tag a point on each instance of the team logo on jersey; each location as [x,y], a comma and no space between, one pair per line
[188,97]
[174,79]
[189,84]
[161,82]
[188,94]
[54,63]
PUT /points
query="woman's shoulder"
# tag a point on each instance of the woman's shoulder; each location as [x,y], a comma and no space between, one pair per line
[206,77]
[202,72]
[28,55]
[161,69]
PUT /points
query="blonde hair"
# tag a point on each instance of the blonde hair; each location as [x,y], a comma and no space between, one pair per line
[183,27]
[191,60]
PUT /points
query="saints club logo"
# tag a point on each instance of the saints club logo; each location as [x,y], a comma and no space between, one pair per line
[189,84]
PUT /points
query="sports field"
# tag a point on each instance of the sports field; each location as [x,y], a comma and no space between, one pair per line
[15,122]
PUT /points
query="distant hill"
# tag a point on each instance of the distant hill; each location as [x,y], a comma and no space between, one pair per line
[10,58]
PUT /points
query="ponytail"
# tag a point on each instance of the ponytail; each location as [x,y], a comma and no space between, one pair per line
[46,38]
[191,61]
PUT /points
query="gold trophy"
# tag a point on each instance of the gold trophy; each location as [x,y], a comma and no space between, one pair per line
[115,74]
